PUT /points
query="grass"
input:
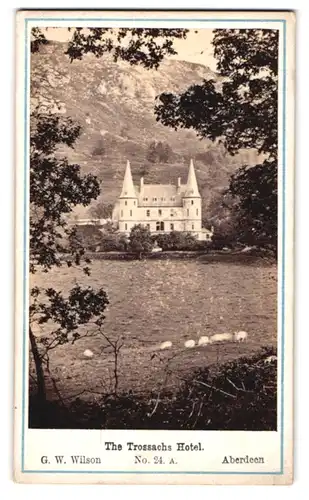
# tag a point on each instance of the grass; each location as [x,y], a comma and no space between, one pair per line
[155,301]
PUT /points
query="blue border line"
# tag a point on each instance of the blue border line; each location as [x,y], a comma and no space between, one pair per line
[233,473]
[25,234]
[283,244]
[160,19]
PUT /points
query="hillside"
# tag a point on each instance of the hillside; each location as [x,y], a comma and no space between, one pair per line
[114,102]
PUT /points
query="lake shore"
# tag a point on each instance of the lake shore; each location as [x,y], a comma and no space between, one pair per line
[211,256]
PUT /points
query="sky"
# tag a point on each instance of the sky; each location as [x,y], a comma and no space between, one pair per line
[196,48]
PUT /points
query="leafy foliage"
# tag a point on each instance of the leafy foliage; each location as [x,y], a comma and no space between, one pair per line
[144,46]
[178,240]
[82,306]
[140,240]
[159,152]
[239,395]
[55,188]
[101,210]
[255,189]
[241,113]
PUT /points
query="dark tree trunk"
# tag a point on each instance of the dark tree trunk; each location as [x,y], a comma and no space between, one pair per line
[41,394]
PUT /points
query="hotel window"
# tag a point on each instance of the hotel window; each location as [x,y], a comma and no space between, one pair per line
[192,226]
[145,199]
[126,227]
[148,213]
[121,213]
[160,226]
[172,227]
[192,202]
[126,202]
[160,212]
[173,198]
[197,211]
[148,226]
[162,199]
[207,236]
[172,213]
[154,199]
[130,213]
[187,212]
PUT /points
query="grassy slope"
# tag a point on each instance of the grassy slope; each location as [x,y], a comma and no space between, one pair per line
[177,301]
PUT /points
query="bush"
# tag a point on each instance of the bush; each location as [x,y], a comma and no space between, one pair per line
[239,395]
[89,236]
[141,241]
[178,241]
[113,242]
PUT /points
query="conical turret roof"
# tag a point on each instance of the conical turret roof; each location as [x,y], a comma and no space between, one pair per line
[192,187]
[128,190]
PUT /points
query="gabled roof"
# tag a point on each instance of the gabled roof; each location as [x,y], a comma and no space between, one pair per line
[160,194]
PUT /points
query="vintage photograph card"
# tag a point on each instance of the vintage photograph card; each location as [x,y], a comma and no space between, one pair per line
[154,247]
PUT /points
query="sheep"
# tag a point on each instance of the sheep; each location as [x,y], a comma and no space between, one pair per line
[270,359]
[166,345]
[221,337]
[190,343]
[88,353]
[203,340]
[240,336]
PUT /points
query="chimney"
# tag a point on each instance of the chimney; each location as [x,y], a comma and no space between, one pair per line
[179,182]
[142,182]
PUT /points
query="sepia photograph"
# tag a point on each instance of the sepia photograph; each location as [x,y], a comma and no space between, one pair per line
[153,228]
[154,231]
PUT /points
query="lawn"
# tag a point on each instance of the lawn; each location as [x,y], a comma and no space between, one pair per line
[152,301]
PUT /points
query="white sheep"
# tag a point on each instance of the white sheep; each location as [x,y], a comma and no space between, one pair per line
[88,353]
[270,359]
[221,337]
[166,345]
[203,340]
[240,336]
[189,343]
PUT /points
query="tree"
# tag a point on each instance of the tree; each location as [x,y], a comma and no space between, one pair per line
[144,46]
[140,240]
[159,152]
[100,148]
[101,210]
[152,153]
[240,112]
[56,187]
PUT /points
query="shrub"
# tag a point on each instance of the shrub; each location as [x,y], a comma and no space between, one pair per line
[238,395]
[177,240]
[140,240]
[89,236]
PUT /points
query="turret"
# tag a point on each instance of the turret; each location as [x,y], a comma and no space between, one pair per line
[127,202]
[192,188]
[128,190]
[192,203]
